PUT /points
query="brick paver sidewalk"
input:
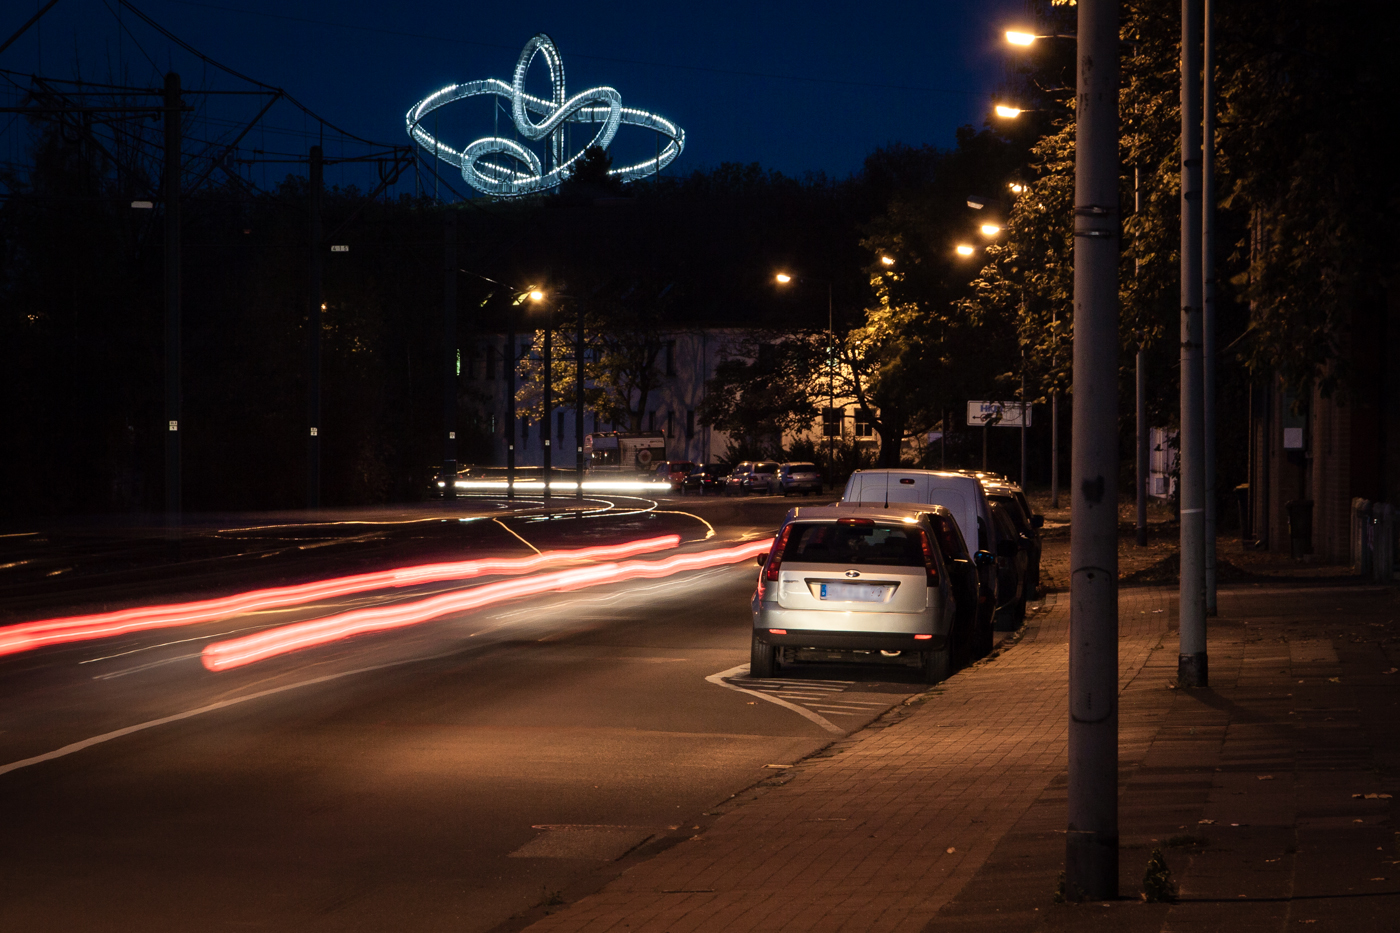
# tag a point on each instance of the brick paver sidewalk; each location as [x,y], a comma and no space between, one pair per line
[950,814]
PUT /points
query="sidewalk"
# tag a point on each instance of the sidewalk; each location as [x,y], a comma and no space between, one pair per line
[1268,793]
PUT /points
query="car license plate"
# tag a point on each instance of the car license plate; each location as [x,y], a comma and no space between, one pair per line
[854,592]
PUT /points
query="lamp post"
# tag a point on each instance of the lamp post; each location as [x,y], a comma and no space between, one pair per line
[784,278]
[547,403]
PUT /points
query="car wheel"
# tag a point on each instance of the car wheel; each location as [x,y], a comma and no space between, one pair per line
[763,659]
[935,666]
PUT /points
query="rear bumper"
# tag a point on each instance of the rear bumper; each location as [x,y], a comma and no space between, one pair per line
[857,641]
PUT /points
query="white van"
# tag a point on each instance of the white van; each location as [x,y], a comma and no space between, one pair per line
[960,494]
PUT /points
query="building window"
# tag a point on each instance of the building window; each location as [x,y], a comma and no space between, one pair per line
[670,424]
[670,357]
[651,421]
[492,423]
[689,423]
[831,421]
[863,426]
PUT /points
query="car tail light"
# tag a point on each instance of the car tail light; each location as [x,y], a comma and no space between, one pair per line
[922,637]
[867,522]
[930,561]
[777,631]
[775,557]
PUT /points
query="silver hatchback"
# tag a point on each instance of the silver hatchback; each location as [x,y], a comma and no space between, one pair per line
[855,583]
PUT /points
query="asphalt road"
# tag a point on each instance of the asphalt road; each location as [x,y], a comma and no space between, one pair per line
[451,776]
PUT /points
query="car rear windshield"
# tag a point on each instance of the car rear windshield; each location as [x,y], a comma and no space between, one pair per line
[802,468]
[850,544]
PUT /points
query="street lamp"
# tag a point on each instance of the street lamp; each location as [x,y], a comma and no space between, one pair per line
[1007,111]
[886,261]
[990,229]
[964,249]
[784,278]
[547,403]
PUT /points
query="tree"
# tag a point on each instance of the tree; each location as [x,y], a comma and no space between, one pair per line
[768,385]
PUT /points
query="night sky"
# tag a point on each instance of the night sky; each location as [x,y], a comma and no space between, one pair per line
[794,86]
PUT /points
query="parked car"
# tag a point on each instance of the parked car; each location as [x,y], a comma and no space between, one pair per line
[1012,566]
[705,478]
[862,584]
[799,477]
[975,628]
[673,472]
[756,476]
[961,494]
[1027,524]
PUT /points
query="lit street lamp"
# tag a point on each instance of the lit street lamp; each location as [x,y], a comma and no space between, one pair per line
[965,249]
[784,279]
[990,229]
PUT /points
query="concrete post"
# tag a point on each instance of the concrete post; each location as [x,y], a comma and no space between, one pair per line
[1208,309]
[170,193]
[1192,668]
[1091,846]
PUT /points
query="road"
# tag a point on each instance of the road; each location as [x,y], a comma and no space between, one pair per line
[450,776]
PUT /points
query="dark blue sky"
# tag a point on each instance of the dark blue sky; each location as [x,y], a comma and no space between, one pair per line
[793,86]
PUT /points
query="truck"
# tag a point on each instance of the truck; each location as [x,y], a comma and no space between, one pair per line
[616,452]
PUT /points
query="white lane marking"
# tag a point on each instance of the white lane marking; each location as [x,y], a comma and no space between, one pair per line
[167,644]
[719,681]
[199,711]
[144,667]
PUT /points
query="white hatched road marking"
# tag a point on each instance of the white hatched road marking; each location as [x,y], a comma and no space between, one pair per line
[806,698]
[722,680]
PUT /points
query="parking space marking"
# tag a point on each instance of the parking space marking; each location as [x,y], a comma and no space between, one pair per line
[722,680]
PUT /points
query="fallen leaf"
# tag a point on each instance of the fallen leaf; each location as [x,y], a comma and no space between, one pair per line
[1334,680]
[1377,879]
[1391,671]
[951,850]
[1266,777]
[1358,821]
[1205,822]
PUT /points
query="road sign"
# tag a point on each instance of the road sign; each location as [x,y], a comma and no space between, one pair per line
[1001,414]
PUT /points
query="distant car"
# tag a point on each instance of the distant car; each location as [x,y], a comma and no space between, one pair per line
[862,584]
[705,478]
[673,472]
[799,477]
[757,476]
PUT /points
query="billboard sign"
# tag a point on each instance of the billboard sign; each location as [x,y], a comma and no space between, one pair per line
[1003,414]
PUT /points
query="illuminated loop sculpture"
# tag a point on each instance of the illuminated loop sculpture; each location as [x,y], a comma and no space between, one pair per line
[521,172]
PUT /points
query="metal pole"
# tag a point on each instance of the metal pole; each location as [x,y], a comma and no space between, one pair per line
[1208,310]
[1192,668]
[578,407]
[985,429]
[1143,465]
[1143,455]
[315,305]
[171,196]
[547,421]
[1055,448]
[1091,844]
[510,363]
[831,390]
[449,342]
[1025,411]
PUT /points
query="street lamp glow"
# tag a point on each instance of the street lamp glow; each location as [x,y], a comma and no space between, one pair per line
[784,278]
[886,260]
[1017,188]
[536,295]
[990,229]
[1019,38]
[1011,113]
[965,250]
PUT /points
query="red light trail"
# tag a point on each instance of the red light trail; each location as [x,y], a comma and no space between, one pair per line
[28,636]
[236,652]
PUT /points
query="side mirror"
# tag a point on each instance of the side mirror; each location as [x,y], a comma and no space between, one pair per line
[761,559]
[1007,548]
[1037,521]
[983,558]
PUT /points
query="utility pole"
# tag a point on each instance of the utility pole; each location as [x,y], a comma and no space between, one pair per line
[1091,843]
[578,406]
[1140,474]
[510,362]
[1143,453]
[171,195]
[1192,669]
[1208,310]
[449,354]
[1025,415]
[547,406]
[315,306]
